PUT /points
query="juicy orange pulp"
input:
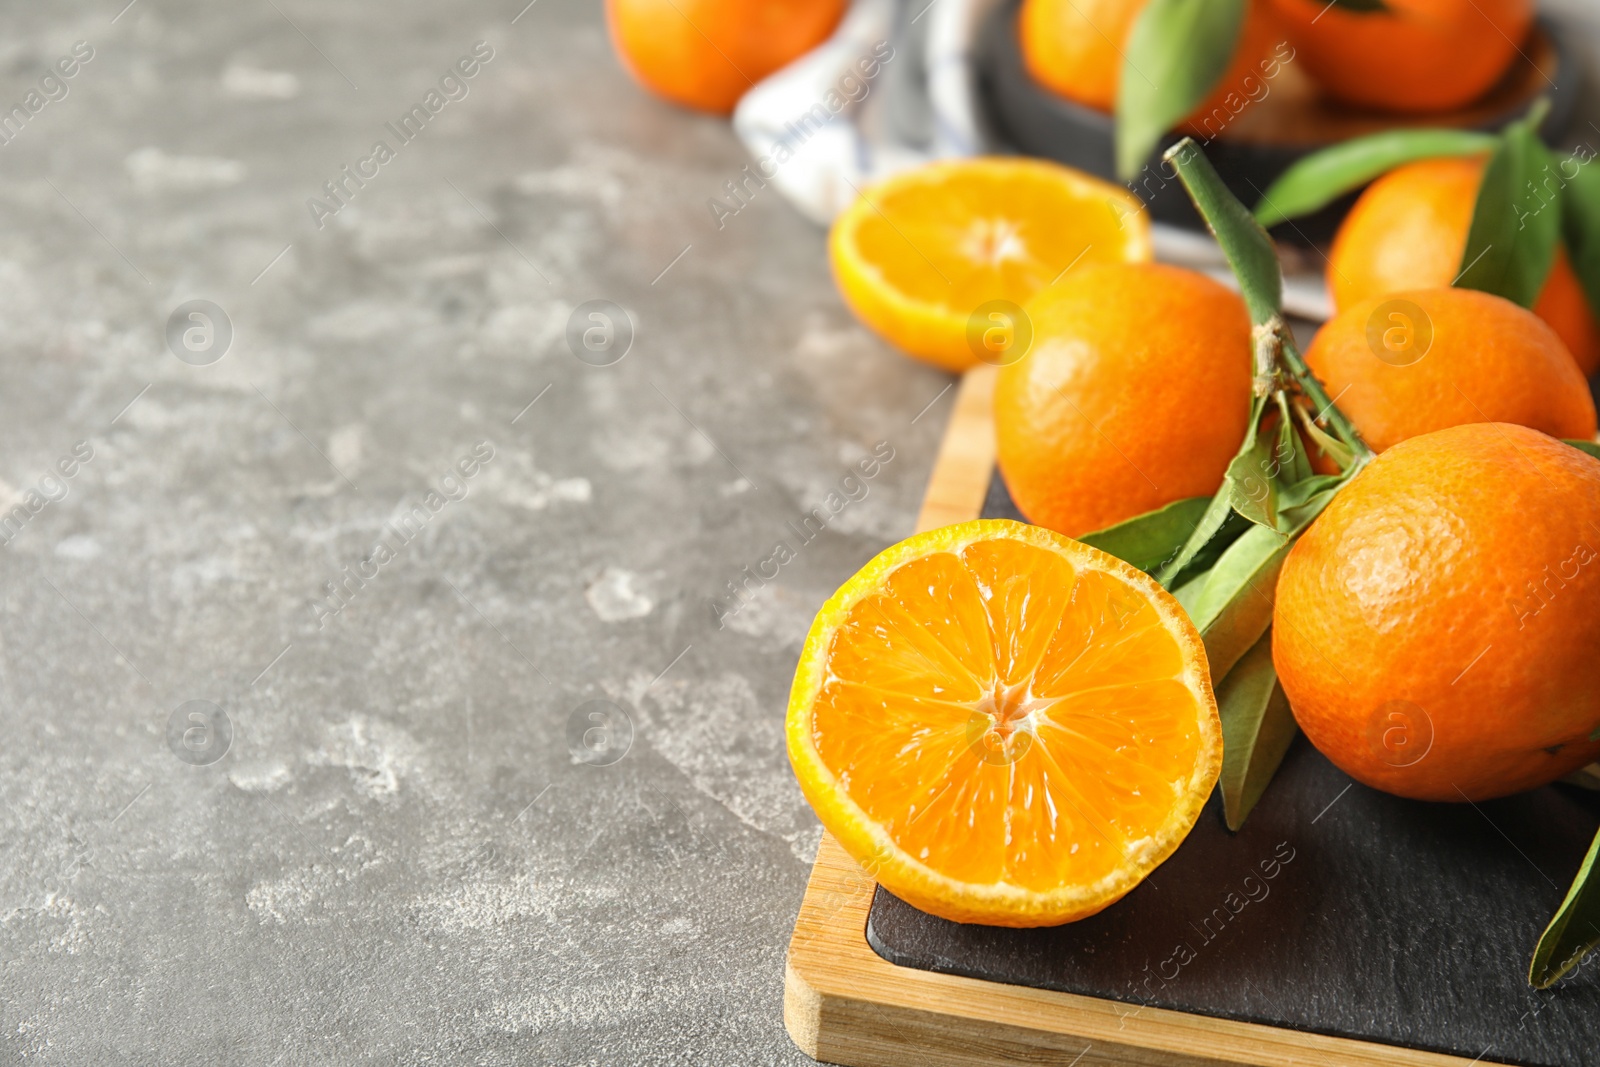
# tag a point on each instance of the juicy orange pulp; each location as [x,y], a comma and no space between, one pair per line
[1003,725]
[984,237]
[920,252]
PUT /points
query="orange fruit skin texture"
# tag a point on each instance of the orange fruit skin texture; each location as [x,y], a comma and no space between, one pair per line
[1136,393]
[705,54]
[1479,537]
[1074,48]
[1408,231]
[1419,56]
[1489,361]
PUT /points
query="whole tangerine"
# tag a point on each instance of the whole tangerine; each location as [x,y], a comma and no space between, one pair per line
[1436,628]
[705,54]
[1408,363]
[1412,55]
[1136,393]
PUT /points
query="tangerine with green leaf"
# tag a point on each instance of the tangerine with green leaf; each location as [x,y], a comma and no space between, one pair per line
[1076,49]
[1408,230]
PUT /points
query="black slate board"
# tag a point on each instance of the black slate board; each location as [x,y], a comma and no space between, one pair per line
[1385,920]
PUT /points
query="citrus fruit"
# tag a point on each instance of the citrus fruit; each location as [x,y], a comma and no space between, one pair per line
[1002,725]
[918,255]
[1408,230]
[1410,56]
[1436,629]
[1075,48]
[1412,362]
[705,54]
[1136,393]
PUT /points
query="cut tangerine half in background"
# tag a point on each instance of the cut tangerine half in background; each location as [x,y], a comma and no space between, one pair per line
[918,254]
[1003,725]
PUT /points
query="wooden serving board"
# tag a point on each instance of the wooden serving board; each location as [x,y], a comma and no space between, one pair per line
[1388,932]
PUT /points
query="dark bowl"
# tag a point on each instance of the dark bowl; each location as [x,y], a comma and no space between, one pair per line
[1251,150]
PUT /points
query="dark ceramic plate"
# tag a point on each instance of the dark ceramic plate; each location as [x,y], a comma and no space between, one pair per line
[1336,909]
[1249,151]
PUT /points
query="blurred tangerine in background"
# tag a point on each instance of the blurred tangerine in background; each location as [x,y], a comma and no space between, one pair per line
[705,54]
[1075,48]
[1406,56]
[1409,230]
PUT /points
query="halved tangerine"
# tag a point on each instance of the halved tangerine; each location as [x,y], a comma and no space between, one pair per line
[1003,725]
[932,258]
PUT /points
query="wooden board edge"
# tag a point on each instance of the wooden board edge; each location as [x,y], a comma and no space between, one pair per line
[961,472]
[843,1003]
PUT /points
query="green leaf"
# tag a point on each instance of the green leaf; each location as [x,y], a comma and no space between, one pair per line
[1217,512]
[1291,454]
[1272,474]
[1257,729]
[1580,220]
[1232,527]
[1249,250]
[1574,930]
[1216,529]
[1149,540]
[1175,54]
[1252,482]
[1516,223]
[1591,447]
[1232,605]
[1304,502]
[1322,177]
[1329,445]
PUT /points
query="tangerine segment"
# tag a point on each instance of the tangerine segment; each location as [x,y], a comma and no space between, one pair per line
[1004,725]
[919,253]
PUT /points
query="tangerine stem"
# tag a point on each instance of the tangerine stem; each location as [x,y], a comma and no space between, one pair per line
[1254,259]
[1327,411]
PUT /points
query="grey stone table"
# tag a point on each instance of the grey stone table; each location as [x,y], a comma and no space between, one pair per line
[371,685]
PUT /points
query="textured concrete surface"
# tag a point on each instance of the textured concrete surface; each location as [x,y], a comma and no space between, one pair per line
[415,845]
[402,856]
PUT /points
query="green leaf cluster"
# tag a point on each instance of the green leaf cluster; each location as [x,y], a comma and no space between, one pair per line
[1221,555]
